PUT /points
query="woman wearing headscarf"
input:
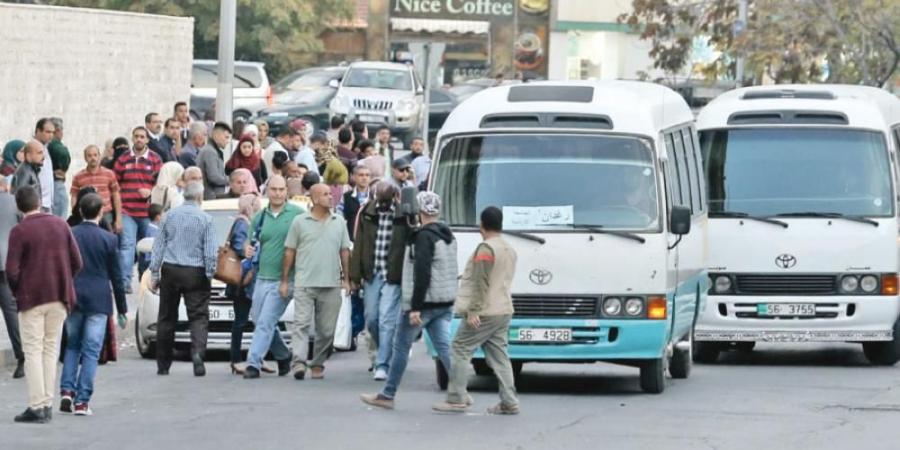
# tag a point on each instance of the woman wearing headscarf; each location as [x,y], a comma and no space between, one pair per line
[13,155]
[247,157]
[167,192]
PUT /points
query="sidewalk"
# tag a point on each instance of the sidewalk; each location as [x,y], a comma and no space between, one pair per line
[6,354]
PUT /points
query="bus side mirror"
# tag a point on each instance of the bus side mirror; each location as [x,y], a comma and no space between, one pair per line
[680,220]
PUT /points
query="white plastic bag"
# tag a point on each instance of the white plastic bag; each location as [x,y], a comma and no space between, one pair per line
[343,332]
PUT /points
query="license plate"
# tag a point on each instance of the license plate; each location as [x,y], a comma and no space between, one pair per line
[786,309]
[221,313]
[366,118]
[544,335]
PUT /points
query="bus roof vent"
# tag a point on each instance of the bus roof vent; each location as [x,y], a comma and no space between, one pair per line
[511,121]
[577,94]
[788,93]
[789,117]
[594,122]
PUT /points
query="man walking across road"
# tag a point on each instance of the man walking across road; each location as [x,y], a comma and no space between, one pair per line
[104,182]
[485,301]
[86,325]
[183,264]
[41,265]
[430,278]
[318,247]
[265,247]
[9,218]
[60,160]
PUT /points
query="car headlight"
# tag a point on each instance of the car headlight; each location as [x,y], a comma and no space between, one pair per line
[849,283]
[406,105]
[612,306]
[722,284]
[634,306]
[869,283]
[340,103]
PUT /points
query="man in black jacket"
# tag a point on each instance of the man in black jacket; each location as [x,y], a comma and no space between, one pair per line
[429,288]
[353,200]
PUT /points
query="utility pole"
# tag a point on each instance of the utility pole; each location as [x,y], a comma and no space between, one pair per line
[427,102]
[224,91]
[739,28]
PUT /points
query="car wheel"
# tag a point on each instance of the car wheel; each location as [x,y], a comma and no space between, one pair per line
[653,376]
[884,353]
[443,379]
[706,352]
[147,350]
[745,347]
[682,361]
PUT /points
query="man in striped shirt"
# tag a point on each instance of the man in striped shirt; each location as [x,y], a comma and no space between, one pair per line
[104,182]
[136,172]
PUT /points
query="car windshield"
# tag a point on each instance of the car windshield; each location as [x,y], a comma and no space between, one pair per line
[307,79]
[222,221]
[207,76]
[379,79]
[772,171]
[550,182]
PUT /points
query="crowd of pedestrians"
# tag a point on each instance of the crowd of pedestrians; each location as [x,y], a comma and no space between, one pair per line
[331,227]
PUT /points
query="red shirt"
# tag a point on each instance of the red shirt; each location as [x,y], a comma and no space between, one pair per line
[103,180]
[136,173]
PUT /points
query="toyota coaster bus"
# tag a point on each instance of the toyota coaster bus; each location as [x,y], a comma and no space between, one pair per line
[803,219]
[601,189]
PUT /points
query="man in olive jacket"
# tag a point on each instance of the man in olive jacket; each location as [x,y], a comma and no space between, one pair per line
[376,265]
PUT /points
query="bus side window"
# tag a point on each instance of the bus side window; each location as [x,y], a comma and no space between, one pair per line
[672,173]
[683,169]
[690,152]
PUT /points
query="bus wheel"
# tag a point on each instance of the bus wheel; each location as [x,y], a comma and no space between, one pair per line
[653,376]
[706,352]
[682,361]
[441,372]
[884,353]
[745,347]
[481,368]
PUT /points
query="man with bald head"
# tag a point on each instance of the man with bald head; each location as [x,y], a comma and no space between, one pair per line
[317,249]
[192,174]
[29,172]
[266,248]
[103,181]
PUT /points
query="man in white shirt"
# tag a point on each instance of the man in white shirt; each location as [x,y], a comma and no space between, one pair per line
[43,133]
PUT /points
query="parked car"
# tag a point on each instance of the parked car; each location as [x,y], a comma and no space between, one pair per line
[381,93]
[221,310]
[440,104]
[252,91]
[309,105]
[307,80]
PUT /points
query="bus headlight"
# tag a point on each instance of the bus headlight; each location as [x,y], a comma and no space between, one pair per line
[612,306]
[849,283]
[634,306]
[868,283]
[722,284]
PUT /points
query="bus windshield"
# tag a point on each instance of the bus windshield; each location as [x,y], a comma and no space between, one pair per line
[550,182]
[795,171]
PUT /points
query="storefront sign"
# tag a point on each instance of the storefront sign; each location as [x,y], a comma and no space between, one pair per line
[454,9]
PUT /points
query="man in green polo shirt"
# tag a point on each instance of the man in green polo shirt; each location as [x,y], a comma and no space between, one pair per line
[268,303]
[318,249]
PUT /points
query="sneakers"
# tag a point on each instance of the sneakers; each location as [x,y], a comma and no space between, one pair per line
[380,375]
[251,373]
[377,400]
[31,415]
[318,373]
[501,409]
[83,409]
[65,403]
[450,407]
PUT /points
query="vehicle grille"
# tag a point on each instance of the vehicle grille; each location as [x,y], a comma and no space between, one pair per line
[555,307]
[373,105]
[786,284]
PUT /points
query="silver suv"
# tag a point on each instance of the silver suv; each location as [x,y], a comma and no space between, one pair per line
[381,93]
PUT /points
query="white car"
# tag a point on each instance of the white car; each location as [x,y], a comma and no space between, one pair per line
[381,93]
[221,310]
[251,88]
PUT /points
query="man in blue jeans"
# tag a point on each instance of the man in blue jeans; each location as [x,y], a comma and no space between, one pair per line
[86,325]
[268,305]
[430,278]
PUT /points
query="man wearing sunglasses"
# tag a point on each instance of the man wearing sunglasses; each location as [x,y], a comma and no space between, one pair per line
[401,174]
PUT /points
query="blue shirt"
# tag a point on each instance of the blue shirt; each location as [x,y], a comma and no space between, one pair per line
[188,156]
[187,237]
[101,276]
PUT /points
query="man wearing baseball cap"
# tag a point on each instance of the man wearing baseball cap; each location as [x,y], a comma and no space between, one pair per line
[401,172]
[429,288]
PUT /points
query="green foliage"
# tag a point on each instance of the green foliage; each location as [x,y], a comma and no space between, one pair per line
[282,33]
[840,41]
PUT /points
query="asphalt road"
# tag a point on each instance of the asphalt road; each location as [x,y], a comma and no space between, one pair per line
[795,397]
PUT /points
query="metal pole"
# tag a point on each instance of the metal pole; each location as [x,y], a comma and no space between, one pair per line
[739,28]
[427,106]
[224,92]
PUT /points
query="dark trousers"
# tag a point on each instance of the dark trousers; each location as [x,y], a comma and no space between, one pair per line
[191,284]
[10,316]
[241,317]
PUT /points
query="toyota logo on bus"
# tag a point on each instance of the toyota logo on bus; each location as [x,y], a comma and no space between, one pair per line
[785,261]
[540,276]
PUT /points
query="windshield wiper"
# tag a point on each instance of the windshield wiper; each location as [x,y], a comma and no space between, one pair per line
[600,230]
[743,215]
[831,215]
[526,236]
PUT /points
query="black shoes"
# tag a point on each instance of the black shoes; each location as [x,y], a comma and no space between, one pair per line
[250,373]
[199,368]
[284,367]
[33,416]
[20,370]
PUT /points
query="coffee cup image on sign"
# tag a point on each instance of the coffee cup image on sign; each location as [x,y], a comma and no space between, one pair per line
[534,6]
[529,51]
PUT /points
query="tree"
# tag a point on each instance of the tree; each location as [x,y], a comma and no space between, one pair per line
[798,41]
[282,33]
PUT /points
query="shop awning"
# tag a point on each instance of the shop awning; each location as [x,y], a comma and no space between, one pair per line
[440,26]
